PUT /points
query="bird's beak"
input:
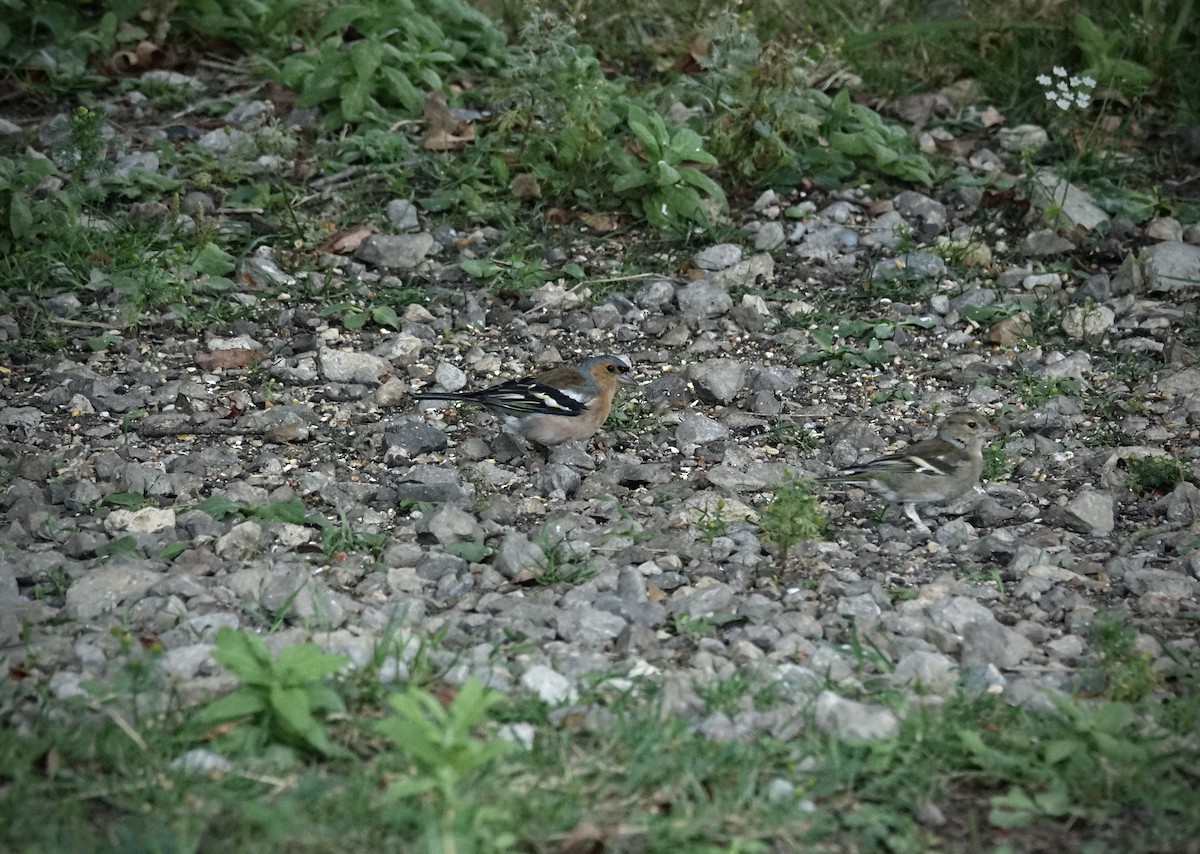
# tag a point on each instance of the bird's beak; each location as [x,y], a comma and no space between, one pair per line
[627,379]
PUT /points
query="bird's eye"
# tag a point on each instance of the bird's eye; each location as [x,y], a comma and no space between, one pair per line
[972,423]
[612,369]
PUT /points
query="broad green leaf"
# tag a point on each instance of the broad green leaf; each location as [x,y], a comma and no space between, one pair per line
[355,319]
[305,662]
[630,181]
[244,655]
[242,702]
[667,175]
[702,182]
[291,510]
[220,507]
[384,316]
[480,268]
[643,133]
[212,260]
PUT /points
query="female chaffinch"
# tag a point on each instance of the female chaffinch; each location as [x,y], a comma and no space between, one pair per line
[567,402]
[929,472]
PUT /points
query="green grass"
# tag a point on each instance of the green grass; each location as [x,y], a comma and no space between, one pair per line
[97,775]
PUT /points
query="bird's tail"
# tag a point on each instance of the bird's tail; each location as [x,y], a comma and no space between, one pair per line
[441,395]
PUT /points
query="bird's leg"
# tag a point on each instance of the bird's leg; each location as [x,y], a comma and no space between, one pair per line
[910,510]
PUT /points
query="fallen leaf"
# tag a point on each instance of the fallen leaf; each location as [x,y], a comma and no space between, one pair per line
[235,357]
[525,186]
[147,56]
[600,222]
[444,132]
[346,241]
[990,117]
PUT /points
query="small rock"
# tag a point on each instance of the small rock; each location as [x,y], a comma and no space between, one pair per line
[402,214]
[718,380]
[1044,243]
[104,588]
[518,555]
[697,429]
[844,718]
[770,236]
[1083,322]
[452,525]
[1090,512]
[395,251]
[703,298]
[148,520]
[348,366]
[718,257]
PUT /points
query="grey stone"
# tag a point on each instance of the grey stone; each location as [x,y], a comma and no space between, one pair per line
[926,214]
[395,251]
[1082,322]
[1077,211]
[1171,266]
[756,270]
[262,271]
[550,686]
[656,294]
[926,671]
[224,140]
[244,540]
[184,662]
[704,601]
[412,437]
[1165,228]
[348,366]
[718,257]
[517,554]
[104,588]
[844,718]
[718,380]
[148,520]
[1022,137]
[402,214]
[702,298]
[588,626]
[452,525]
[697,429]
[1044,243]
[1090,512]
[771,236]
[558,478]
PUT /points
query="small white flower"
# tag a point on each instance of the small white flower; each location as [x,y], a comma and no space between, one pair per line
[1059,71]
[1043,79]
[1089,82]
[1063,87]
[1051,95]
[1075,81]
[1083,100]
[1063,103]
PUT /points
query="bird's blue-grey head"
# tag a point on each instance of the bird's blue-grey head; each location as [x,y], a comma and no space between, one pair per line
[613,365]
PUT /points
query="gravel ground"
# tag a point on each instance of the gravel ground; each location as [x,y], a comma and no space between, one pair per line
[639,553]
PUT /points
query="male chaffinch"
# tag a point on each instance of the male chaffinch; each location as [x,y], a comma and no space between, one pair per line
[931,471]
[567,402]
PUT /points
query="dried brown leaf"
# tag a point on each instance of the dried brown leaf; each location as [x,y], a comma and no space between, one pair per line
[525,186]
[444,132]
[347,241]
[235,357]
